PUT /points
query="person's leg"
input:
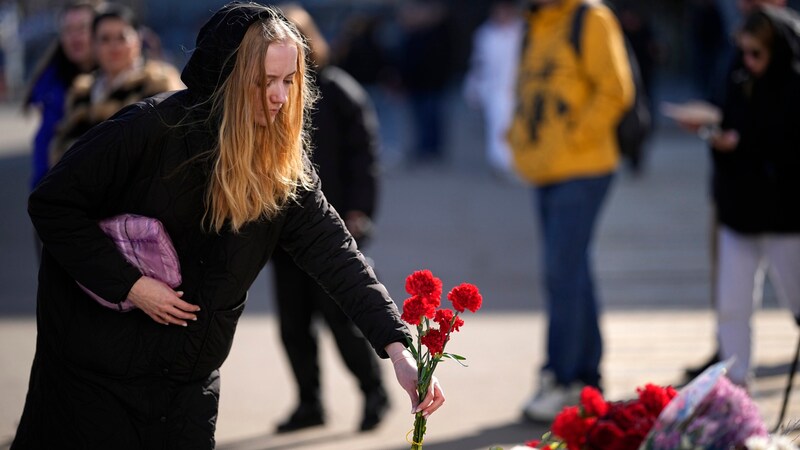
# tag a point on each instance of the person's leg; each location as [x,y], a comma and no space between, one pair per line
[358,356]
[692,372]
[737,289]
[295,314]
[783,255]
[588,371]
[574,342]
[568,214]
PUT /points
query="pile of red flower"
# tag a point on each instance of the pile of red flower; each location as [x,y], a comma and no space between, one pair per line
[597,424]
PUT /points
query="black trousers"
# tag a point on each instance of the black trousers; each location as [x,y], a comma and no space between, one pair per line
[299,301]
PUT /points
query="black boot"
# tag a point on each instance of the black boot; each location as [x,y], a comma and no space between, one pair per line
[376,404]
[304,416]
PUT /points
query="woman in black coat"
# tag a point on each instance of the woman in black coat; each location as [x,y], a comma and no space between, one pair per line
[756,183]
[222,166]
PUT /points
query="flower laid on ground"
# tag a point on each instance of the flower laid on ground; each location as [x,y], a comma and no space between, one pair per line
[726,417]
[598,424]
[434,327]
[710,413]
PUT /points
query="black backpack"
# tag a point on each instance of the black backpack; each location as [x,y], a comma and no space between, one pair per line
[636,123]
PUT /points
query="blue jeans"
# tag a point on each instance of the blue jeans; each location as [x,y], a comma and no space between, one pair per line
[568,213]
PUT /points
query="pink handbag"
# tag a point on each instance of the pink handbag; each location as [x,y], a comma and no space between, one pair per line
[145,244]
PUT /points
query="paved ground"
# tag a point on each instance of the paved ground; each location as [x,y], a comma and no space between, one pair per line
[463,224]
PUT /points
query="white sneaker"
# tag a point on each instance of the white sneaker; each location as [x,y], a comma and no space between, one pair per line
[551,398]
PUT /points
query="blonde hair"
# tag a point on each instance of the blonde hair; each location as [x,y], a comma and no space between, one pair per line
[258,169]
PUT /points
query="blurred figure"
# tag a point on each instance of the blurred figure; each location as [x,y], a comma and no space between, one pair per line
[344,138]
[637,28]
[563,140]
[492,77]
[361,52]
[755,181]
[123,77]
[709,47]
[746,7]
[425,69]
[69,56]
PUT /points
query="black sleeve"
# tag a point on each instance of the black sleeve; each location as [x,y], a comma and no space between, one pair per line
[315,236]
[82,188]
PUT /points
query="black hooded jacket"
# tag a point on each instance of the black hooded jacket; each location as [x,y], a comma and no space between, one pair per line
[756,185]
[149,160]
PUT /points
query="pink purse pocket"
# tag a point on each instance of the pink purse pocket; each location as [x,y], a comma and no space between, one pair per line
[145,244]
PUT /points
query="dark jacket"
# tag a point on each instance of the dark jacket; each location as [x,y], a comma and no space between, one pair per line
[756,186]
[154,385]
[344,133]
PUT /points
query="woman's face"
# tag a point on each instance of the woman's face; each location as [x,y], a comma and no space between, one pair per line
[76,36]
[117,46]
[754,54]
[280,67]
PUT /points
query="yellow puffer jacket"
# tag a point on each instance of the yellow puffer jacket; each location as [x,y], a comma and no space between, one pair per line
[568,109]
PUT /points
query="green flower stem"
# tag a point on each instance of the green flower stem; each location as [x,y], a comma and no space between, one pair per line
[419,431]
[426,364]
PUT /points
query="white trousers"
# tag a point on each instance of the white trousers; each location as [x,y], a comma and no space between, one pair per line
[744,261]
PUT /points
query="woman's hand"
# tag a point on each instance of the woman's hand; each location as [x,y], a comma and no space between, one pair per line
[405,369]
[725,141]
[161,303]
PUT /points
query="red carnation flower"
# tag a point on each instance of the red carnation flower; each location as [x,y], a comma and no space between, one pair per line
[593,402]
[604,435]
[465,296]
[434,339]
[422,283]
[655,398]
[534,443]
[629,414]
[444,317]
[571,427]
[413,310]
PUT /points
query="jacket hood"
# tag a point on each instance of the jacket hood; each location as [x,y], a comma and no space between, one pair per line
[217,43]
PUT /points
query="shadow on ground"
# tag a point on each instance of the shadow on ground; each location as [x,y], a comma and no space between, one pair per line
[518,432]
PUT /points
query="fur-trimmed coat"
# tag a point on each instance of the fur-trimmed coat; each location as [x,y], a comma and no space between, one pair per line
[82,113]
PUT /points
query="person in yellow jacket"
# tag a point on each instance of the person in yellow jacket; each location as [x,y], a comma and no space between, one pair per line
[563,140]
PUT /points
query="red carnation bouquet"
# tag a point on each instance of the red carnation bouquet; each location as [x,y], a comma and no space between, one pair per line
[597,424]
[434,327]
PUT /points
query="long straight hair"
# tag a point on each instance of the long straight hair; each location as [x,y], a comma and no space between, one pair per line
[258,169]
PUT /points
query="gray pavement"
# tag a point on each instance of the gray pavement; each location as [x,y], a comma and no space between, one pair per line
[651,260]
